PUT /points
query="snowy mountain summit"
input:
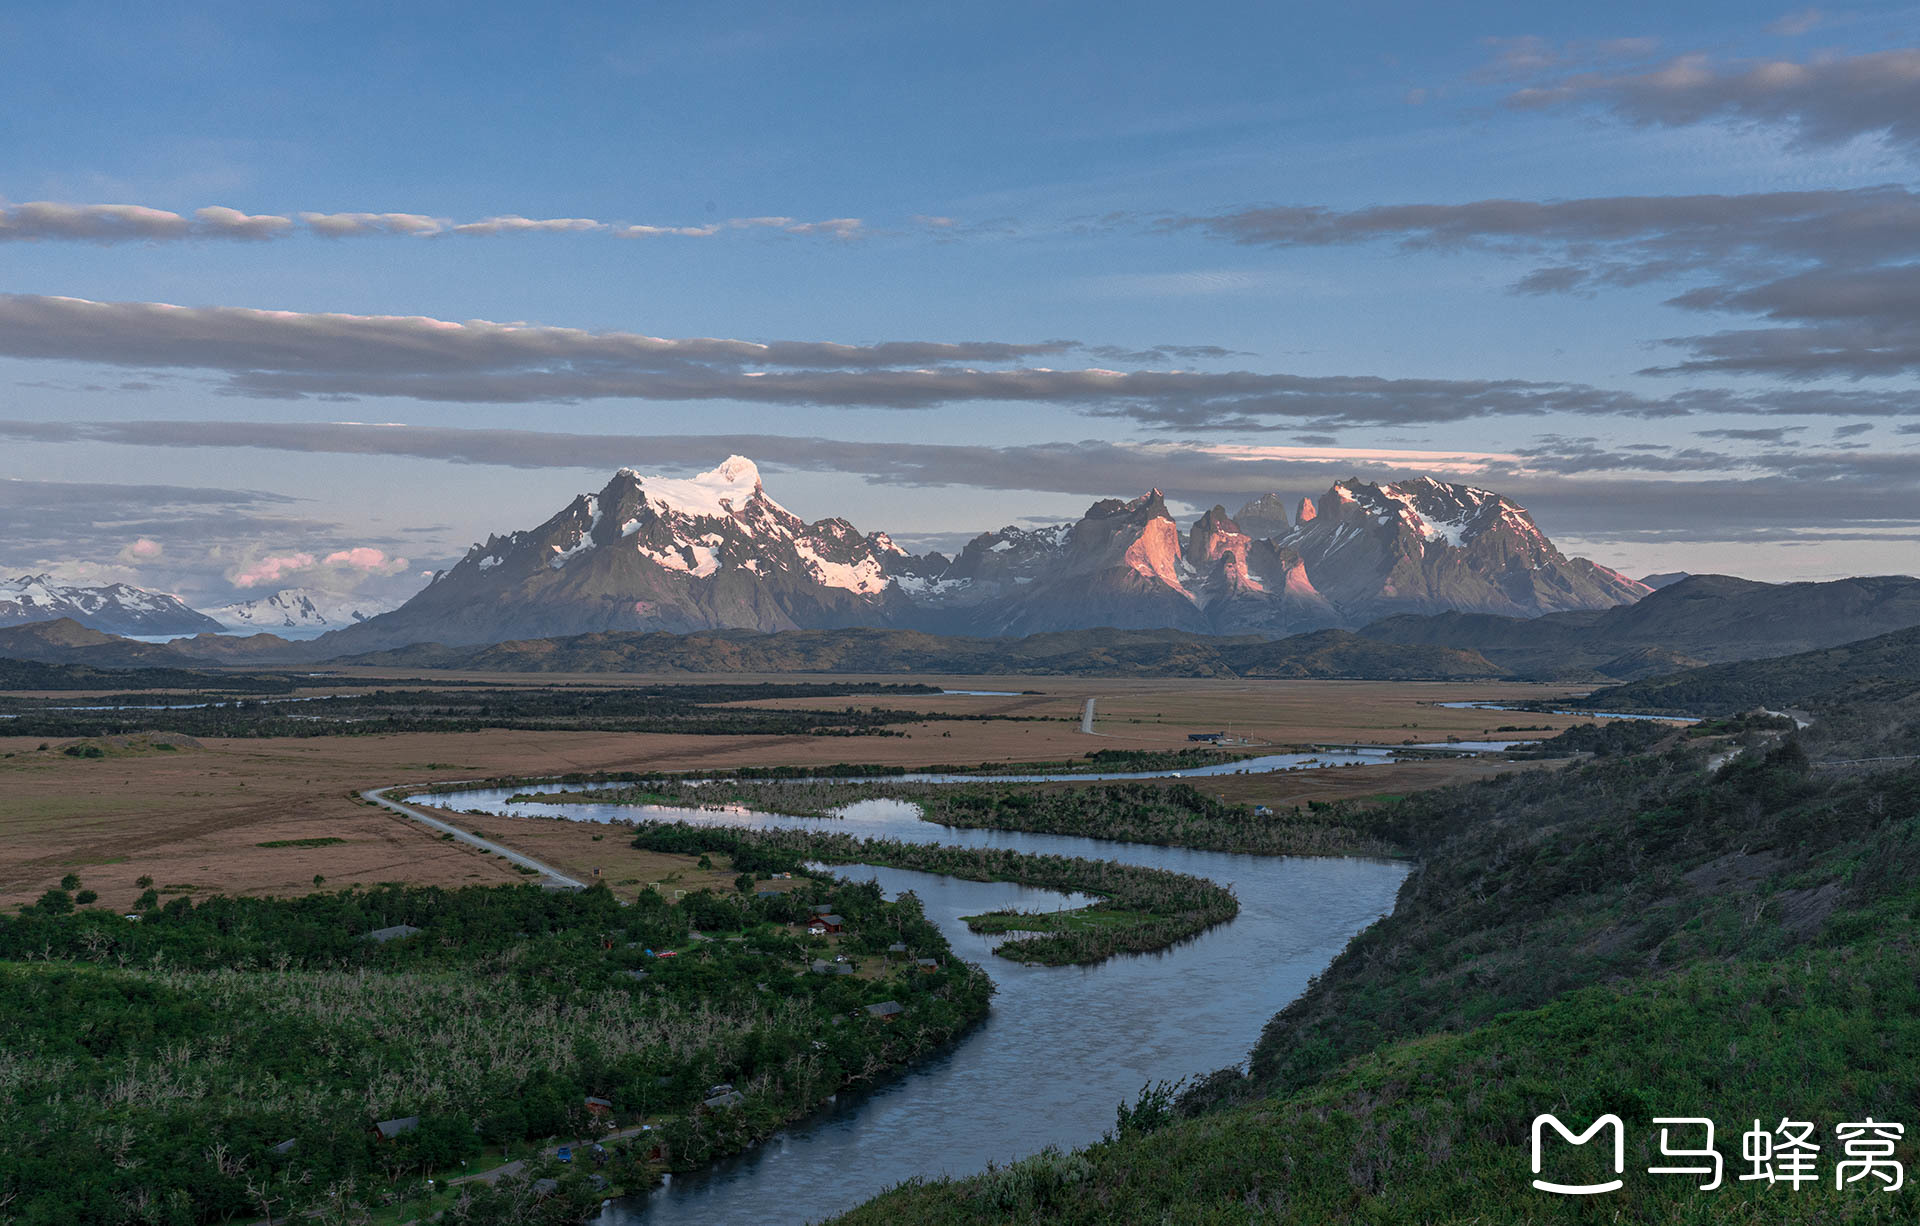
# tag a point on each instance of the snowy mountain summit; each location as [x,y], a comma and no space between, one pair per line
[716,551]
[116,608]
[298,609]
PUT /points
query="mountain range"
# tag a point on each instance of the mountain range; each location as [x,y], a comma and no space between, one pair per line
[117,608]
[298,609]
[717,552]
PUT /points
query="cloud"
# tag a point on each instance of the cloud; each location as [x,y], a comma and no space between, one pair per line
[1762,434]
[51,221]
[353,225]
[290,355]
[274,568]
[1839,270]
[1822,101]
[338,571]
[1793,25]
[366,560]
[43,221]
[513,224]
[1624,240]
[145,549]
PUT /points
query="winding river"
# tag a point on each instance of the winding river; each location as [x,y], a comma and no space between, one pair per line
[1062,1047]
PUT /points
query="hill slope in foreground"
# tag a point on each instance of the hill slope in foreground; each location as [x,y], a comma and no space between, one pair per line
[1636,935]
[1889,663]
[1702,619]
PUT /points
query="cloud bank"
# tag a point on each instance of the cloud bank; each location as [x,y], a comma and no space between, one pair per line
[53,221]
[292,355]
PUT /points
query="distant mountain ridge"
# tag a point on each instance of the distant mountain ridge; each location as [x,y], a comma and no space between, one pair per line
[717,552]
[298,609]
[1702,619]
[1102,652]
[116,608]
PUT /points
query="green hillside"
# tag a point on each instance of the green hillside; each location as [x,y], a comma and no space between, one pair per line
[1871,664]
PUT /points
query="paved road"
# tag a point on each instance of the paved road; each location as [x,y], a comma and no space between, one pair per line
[553,875]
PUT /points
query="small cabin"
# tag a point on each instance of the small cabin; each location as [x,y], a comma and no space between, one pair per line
[897,952]
[389,1129]
[598,1106]
[927,965]
[832,923]
[886,1010]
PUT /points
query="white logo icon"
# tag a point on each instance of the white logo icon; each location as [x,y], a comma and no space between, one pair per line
[1540,1124]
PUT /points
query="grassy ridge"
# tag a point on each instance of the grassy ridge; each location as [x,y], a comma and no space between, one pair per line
[1889,661]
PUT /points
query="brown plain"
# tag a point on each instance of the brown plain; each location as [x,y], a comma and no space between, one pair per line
[194,819]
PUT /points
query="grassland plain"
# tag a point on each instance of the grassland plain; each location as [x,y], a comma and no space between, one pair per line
[196,817]
[1639,935]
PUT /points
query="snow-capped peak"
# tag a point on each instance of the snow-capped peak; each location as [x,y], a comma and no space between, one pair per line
[298,608]
[1438,511]
[720,493]
[118,608]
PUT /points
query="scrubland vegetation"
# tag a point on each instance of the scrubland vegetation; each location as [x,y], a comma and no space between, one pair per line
[149,1067]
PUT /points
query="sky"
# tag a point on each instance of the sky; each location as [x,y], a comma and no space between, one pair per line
[319,296]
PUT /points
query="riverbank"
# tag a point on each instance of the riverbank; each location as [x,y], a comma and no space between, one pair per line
[1165,812]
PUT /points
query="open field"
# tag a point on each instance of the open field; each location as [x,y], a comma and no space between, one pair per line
[196,816]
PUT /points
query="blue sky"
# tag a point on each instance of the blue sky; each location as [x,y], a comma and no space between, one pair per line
[1649,269]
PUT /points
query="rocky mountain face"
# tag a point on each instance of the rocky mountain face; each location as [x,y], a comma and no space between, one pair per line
[715,551]
[648,553]
[297,609]
[116,608]
[1426,546]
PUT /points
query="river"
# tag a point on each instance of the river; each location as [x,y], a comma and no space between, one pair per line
[1062,1047]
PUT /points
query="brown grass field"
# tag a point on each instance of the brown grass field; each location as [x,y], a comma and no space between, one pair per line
[193,819]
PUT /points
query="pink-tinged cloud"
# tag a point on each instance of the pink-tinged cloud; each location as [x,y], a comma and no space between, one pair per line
[143,550]
[363,558]
[271,569]
[360,560]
